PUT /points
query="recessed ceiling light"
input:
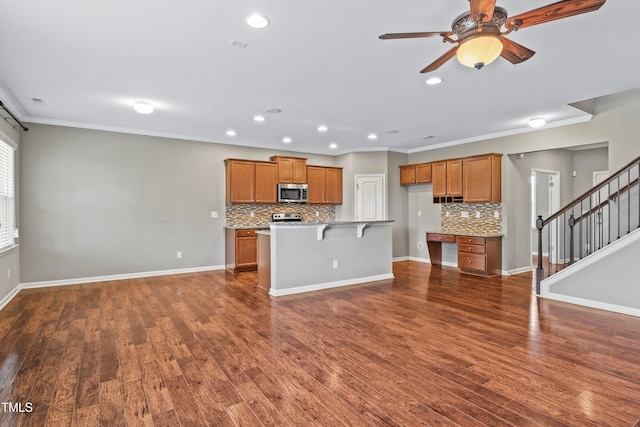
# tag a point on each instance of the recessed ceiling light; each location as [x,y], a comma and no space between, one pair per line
[322,128]
[257,21]
[434,81]
[286,140]
[537,122]
[333,145]
[231,132]
[372,136]
[258,118]
[143,107]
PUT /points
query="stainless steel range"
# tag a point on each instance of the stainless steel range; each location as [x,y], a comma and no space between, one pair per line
[286,217]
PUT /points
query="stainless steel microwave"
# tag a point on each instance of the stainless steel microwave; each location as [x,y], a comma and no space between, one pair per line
[293,193]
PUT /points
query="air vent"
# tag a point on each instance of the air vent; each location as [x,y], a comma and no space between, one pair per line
[236,43]
[38,101]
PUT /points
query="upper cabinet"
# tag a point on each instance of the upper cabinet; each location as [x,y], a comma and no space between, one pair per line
[325,184]
[292,170]
[415,174]
[446,177]
[482,179]
[249,181]
[474,179]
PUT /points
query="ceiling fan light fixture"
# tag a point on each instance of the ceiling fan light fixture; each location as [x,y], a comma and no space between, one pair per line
[479,50]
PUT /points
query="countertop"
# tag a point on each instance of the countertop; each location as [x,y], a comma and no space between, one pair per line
[304,223]
[329,223]
[466,233]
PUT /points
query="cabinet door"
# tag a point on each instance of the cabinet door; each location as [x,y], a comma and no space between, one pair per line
[439,179]
[333,186]
[316,182]
[299,171]
[266,183]
[241,176]
[423,173]
[407,174]
[454,178]
[246,251]
[285,170]
[482,179]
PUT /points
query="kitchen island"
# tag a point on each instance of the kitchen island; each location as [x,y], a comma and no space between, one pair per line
[310,256]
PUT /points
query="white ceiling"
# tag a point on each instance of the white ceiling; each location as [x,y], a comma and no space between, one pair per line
[319,62]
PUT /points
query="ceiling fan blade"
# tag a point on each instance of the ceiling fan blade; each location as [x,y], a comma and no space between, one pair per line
[514,52]
[438,62]
[482,8]
[558,10]
[389,36]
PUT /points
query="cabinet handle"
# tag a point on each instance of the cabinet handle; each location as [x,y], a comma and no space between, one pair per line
[469,247]
[469,261]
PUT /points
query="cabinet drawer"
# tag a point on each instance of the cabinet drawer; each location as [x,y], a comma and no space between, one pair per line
[434,237]
[245,233]
[469,240]
[473,249]
[472,261]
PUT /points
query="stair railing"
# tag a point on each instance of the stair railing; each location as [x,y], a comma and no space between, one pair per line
[592,221]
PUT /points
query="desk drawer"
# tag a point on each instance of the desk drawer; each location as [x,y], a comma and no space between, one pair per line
[473,249]
[435,237]
[472,262]
[469,240]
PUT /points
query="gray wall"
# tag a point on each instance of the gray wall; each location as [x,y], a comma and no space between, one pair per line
[585,162]
[613,123]
[105,203]
[10,261]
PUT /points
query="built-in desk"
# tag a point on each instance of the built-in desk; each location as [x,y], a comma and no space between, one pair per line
[479,254]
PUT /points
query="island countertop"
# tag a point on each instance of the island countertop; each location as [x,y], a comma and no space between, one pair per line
[332,223]
[469,233]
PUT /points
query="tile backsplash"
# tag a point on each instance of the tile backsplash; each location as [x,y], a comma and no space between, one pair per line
[471,217]
[239,215]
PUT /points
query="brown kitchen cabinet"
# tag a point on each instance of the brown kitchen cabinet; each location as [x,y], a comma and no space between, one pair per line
[476,254]
[480,255]
[291,170]
[249,181]
[415,174]
[482,179]
[241,252]
[446,177]
[325,185]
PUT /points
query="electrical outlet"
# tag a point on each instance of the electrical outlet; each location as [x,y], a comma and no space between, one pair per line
[464,214]
[496,214]
[419,213]
[179,254]
[317,214]
[214,214]
[447,214]
[252,214]
[477,214]
[335,263]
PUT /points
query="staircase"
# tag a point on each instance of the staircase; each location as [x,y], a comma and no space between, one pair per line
[589,224]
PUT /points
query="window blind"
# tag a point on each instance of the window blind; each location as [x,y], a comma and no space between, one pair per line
[7,195]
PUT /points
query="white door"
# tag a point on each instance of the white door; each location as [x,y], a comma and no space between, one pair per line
[369,193]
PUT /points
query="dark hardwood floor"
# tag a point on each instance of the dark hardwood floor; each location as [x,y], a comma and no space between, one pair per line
[431,347]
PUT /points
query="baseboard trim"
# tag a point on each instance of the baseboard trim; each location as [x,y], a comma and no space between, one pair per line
[423,260]
[593,304]
[401,258]
[9,297]
[518,271]
[328,285]
[95,279]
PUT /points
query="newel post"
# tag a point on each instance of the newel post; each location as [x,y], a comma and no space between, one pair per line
[539,225]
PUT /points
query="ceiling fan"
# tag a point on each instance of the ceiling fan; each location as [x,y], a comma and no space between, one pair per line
[479,36]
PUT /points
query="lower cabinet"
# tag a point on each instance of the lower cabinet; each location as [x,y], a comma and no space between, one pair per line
[241,249]
[476,255]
